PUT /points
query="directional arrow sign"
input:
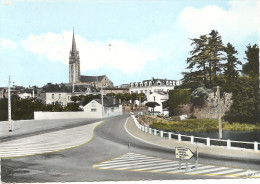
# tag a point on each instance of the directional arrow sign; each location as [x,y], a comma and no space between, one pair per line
[183,153]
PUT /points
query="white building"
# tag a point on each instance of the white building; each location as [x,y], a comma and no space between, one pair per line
[154,85]
[159,97]
[156,90]
[111,107]
[26,95]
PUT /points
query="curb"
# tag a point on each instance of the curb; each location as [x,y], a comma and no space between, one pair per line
[205,153]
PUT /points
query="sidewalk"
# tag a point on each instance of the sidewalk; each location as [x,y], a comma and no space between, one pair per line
[23,128]
[48,142]
[210,151]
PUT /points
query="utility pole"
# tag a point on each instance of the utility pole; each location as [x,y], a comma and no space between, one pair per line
[219,113]
[9,107]
[102,103]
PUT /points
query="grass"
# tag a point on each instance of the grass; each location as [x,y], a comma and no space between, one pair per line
[241,126]
[200,125]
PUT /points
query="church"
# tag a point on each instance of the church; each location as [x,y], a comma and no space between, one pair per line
[74,71]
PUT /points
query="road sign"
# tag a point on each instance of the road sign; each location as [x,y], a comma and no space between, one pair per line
[183,153]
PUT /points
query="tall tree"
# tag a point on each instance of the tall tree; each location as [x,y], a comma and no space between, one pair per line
[215,55]
[198,60]
[230,68]
[204,63]
[251,68]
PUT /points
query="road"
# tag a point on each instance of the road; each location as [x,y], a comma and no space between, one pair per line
[92,161]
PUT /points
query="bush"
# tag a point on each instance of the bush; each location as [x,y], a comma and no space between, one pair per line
[241,126]
[178,97]
[188,125]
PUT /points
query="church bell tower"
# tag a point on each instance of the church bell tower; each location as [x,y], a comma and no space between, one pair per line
[74,63]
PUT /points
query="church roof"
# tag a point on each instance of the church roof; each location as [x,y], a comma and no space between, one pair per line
[84,78]
[74,48]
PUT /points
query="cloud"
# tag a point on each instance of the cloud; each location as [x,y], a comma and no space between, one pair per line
[234,24]
[7,44]
[119,54]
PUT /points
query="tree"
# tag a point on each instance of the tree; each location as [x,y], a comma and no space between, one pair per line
[215,55]
[251,68]
[204,63]
[152,105]
[230,68]
[245,96]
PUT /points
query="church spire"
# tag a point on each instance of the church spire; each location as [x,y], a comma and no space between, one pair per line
[74,48]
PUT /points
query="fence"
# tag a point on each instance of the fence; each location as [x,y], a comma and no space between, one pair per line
[202,140]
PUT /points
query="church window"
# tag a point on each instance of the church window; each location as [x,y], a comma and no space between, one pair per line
[52,96]
[59,96]
[93,104]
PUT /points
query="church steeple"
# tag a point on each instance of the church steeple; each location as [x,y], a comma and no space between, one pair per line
[74,48]
[74,63]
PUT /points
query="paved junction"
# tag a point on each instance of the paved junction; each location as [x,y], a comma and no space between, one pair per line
[109,153]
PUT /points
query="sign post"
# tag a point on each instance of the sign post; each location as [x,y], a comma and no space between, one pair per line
[183,154]
[197,157]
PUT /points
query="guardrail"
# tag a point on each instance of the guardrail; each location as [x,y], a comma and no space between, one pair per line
[202,140]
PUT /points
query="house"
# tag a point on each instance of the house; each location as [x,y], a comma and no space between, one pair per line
[152,86]
[160,98]
[156,90]
[62,93]
[111,107]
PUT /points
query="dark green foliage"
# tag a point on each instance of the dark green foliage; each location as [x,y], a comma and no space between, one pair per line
[245,96]
[230,68]
[86,99]
[152,105]
[178,97]
[204,63]
[188,125]
[24,108]
[72,107]
[3,109]
[251,68]
[245,91]
[199,95]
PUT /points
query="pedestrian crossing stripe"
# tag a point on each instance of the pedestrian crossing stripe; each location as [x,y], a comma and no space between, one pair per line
[144,163]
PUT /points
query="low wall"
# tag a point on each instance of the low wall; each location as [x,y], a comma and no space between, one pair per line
[39,115]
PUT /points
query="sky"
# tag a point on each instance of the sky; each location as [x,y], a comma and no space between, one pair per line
[127,40]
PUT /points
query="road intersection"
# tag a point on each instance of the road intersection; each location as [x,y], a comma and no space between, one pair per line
[92,161]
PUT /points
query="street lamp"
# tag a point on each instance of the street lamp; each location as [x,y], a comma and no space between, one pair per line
[9,106]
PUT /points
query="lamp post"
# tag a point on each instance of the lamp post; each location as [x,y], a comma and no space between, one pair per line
[9,106]
[219,113]
[102,103]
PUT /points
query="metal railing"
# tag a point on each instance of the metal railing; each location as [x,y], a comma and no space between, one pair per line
[201,140]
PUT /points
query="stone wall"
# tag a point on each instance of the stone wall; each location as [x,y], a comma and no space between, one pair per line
[209,109]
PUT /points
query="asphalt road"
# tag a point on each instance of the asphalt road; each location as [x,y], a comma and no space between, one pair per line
[110,141]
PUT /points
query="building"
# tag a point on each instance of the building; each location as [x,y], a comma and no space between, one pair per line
[115,90]
[62,93]
[160,98]
[156,90]
[152,86]
[74,71]
[111,107]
